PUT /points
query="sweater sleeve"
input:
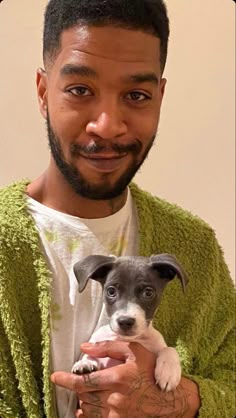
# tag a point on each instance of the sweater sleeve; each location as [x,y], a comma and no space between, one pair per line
[10,405]
[214,360]
[18,388]
[217,390]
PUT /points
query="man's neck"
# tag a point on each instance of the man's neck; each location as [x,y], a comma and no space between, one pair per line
[57,194]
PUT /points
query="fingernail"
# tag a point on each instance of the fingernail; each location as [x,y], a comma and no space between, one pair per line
[87,345]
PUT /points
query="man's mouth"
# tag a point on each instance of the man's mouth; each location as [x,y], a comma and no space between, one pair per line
[103,156]
[113,150]
[104,162]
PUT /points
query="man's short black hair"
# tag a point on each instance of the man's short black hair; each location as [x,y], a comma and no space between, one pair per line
[147,15]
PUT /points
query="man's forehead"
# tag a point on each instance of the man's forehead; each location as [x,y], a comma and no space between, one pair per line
[110,43]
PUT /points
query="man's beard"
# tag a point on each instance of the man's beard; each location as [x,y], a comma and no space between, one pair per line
[80,185]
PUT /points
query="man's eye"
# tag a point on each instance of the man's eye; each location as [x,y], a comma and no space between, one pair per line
[138,96]
[111,292]
[80,91]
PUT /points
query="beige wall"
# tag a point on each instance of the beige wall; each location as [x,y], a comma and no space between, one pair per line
[192,163]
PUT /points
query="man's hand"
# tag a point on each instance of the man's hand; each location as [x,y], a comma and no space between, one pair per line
[128,390]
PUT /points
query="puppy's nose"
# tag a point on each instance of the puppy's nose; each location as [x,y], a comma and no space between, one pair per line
[125,323]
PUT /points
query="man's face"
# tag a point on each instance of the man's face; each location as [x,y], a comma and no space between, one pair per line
[101,98]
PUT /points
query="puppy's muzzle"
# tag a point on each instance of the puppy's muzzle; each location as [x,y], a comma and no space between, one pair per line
[125,323]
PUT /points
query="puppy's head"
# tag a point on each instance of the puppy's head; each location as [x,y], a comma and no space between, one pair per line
[132,286]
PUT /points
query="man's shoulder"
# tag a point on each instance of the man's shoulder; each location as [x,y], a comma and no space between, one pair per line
[168,219]
[12,204]
[156,207]
[12,193]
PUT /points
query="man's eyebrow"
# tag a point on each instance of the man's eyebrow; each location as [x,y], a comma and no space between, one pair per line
[85,71]
[82,70]
[143,78]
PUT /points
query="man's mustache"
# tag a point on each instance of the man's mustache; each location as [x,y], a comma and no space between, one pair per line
[96,148]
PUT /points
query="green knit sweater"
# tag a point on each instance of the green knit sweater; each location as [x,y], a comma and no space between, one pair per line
[198,323]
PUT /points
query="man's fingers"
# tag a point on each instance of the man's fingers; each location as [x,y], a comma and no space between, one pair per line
[98,412]
[90,382]
[97,398]
[121,376]
[119,350]
[102,380]
[84,383]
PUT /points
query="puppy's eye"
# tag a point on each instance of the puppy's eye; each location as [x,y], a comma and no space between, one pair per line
[111,292]
[148,293]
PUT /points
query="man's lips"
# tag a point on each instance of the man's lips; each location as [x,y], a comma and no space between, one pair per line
[104,162]
[101,156]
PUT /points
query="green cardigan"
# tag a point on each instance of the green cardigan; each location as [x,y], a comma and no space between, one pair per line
[199,323]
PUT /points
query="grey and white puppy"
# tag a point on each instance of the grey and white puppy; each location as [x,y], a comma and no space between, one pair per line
[132,289]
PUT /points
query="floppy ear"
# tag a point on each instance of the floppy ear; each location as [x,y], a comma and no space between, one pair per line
[168,267]
[93,267]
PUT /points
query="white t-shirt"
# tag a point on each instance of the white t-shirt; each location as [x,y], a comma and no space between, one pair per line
[67,239]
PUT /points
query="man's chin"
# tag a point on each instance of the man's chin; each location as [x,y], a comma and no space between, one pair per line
[103,188]
[99,194]
[95,191]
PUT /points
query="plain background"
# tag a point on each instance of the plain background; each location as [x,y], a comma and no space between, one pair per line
[192,163]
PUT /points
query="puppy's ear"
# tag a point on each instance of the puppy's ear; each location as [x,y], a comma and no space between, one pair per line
[93,267]
[168,267]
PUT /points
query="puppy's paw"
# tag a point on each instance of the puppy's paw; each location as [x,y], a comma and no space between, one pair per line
[85,366]
[168,369]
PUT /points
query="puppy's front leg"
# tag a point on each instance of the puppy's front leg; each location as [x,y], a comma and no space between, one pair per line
[168,369]
[90,364]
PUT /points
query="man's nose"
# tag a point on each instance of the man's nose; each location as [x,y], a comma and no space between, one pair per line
[108,123]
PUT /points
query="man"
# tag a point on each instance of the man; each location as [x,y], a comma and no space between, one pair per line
[101,93]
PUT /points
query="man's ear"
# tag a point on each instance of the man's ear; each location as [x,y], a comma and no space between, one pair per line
[94,267]
[162,87]
[41,81]
[168,267]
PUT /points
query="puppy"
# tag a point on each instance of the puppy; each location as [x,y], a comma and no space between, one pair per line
[132,289]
